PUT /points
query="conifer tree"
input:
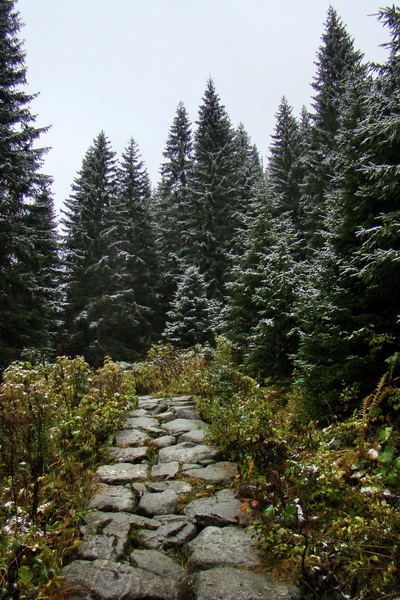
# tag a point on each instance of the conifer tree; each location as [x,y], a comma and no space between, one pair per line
[337,63]
[214,198]
[349,310]
[249,185]
[85,243]
[21,185]
[192,317]
[172,199]
[284,170]
[124,311]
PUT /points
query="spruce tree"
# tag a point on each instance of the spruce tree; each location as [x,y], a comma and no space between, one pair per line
[85,244]
[171,200]
[124,311]
[21,185]
[337,63]
[349,317]
[193,316]
[214,198]
[284,170]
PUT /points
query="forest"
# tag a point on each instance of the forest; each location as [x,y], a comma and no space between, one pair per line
[271,290]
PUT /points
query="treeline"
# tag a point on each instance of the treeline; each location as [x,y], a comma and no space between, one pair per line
[297,263]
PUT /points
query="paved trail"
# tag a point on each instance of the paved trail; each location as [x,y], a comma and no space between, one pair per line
[142,526]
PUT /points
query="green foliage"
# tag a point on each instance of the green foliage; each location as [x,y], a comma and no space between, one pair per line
[54,420]
[324,501]
[167,369]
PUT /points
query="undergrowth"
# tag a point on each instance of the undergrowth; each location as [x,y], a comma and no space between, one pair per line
[54,420]
[325,499]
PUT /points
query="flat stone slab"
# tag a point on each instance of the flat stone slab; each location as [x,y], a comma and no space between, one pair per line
[186,412]
[109,523]
[182,425]
[120,473]
[130,437]
[139,412]
[113,498]
[108,580]
[222,546]
[164,441]
[196,436]
[219,473]
[219,510]
[171,534]
[227,583]
[167,416]
[139,423]
[128,455]
[158,563]
[165,470]
[107,547]
[187,452]
[158,503]
[180,487]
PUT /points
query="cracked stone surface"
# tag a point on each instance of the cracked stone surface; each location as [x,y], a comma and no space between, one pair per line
[233,584]
[121,473]
[220,510]
[222,546]
[220,473]
[188,452]
[113,498]
[140,519]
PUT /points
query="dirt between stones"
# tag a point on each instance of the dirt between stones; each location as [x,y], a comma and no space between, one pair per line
[143,540]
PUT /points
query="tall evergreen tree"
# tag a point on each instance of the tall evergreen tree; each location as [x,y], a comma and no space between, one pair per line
[337,63]
[284,168]
[350,322]
[124,311]
[85,243]
[172,199]
[192,316]
[214,198]
[21,185]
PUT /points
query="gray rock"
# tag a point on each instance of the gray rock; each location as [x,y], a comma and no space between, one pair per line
[222,546]
[180,487]
[182,425]
[113,498]
[171,534]
[190,466]
[158,563]
[186,412]
[164,441]
[162,503]
[165,470]
[220,473]
[139,412]
[186,452]
[139,423]
[128,455]
[106,580]
[196,436]
[130,437]
[113,523]
[166,417]
[226,583]
[107,547]
[181,399]
[220,510]
[120,473]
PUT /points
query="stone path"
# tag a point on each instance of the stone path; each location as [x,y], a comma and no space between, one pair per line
[146,520]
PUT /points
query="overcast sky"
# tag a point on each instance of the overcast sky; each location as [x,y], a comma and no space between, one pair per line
[123,66]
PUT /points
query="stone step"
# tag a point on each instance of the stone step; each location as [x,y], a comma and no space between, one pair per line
[148,517]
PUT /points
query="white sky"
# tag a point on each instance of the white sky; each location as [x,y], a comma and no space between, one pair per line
[123,66]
